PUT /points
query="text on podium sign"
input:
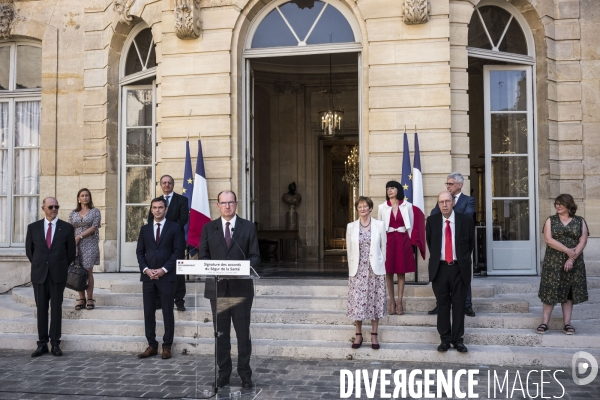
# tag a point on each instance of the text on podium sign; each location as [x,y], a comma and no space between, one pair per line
[213,267]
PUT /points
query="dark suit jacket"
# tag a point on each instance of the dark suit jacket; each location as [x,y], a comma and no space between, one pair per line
[178,211]
[54,260]
[243,246]
[164,254]
[464,240]
[464,205]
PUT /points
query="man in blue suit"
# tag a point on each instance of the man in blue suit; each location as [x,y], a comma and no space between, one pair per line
[465,205]
[159,245]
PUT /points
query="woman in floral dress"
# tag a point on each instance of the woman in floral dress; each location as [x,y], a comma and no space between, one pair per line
[563,271]
[365,240]
[86,221]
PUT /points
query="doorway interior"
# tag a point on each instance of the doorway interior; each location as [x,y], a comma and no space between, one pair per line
[286,146]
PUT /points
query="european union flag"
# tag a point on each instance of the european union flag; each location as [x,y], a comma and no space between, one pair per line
[188,182]
[406,181]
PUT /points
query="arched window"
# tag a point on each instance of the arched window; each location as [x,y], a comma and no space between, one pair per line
[137,138]
[302,23]
[20,94]
[494,28]
[142,53]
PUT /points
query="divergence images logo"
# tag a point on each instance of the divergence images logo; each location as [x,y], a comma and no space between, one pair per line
[581,367]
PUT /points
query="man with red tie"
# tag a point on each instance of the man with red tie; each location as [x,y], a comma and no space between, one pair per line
[50,247]
[450,239]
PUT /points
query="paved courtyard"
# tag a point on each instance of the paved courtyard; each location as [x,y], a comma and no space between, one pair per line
[85,375]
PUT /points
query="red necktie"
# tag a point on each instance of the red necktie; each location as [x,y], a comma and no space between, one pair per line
[157,233]
[49,235]
[448,244]
[227,234]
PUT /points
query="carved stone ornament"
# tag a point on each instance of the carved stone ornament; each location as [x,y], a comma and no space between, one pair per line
[187,19]
[8,18]
[122,7]
[416,11]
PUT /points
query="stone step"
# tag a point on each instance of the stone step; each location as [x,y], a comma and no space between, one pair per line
[307,349]
[11,309]
[587,337]
[106,298]
[307,288]
[534,300]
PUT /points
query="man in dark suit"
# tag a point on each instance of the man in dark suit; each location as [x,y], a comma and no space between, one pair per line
[50,247]
[177,211]
[463,204]
[231,238]
[450,239]
[159,246]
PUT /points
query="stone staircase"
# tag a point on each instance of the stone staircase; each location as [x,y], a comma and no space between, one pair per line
[306,318]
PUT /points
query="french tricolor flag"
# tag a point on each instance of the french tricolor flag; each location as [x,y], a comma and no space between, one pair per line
[418,233]
[200,209]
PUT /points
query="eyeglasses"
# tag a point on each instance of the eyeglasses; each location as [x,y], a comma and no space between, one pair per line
[558,205]
[167,183]
[227,203]
[53,207]
[449,184]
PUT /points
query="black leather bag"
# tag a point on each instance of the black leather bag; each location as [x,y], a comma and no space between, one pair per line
[77,277]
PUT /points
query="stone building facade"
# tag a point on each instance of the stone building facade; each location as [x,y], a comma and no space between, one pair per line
[125,83]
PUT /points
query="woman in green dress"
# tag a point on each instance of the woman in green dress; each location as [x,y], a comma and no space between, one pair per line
[563,271]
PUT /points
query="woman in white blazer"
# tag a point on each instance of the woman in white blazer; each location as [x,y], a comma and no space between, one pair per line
[397,217]
[365,242]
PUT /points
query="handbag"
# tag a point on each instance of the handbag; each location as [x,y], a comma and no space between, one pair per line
[77,276]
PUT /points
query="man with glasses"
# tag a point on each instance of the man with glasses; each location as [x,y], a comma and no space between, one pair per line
[231,238]
[50,247]
[465,205]
[177,211]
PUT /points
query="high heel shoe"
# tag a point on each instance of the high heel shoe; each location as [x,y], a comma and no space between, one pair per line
[373,345]
[356,346]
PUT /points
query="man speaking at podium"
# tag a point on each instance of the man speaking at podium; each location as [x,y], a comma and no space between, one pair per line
[231,238]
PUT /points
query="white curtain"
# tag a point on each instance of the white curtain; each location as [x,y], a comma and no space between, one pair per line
[4,178]
[27,167]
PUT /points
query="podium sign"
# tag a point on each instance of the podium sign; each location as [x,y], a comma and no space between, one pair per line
[213,267]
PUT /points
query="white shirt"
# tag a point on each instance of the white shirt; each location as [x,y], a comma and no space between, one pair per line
[168,198]
[162,226]
[46,222]
[231,224]
[456,197]
[453,229]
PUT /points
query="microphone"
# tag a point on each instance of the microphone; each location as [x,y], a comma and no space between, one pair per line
[204,241]
[238,246]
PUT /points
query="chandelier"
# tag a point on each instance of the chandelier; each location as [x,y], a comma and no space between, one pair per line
[331,120]
[351,169]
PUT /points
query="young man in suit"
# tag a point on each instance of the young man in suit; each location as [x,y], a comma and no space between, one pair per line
[231,238]
[463,204]
[50,247]
[450,239]
[179,212]
[159,246]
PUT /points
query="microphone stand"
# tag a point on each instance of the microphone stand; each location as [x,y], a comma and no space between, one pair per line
[216,334]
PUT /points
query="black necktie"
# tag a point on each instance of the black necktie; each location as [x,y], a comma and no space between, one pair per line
[157,233]
[227,234]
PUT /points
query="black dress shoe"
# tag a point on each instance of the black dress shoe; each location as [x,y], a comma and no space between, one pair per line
[432,312]
[247,383]
[40,350]
[443,347]
[222,381]
[469,312]
[56,351]
[461,348]
[180,307]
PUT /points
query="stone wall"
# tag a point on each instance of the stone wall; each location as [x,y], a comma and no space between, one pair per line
[411,75]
